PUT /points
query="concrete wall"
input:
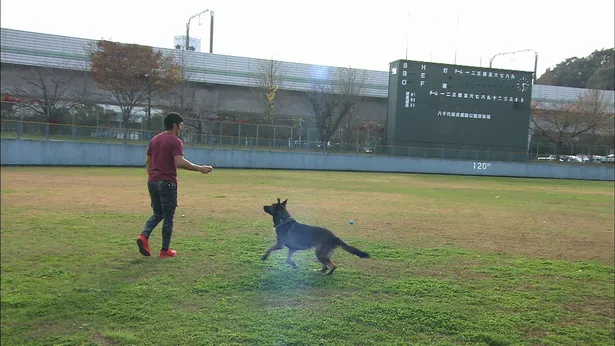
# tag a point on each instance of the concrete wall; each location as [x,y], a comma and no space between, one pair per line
[31,152]
[289,103]
[224,97]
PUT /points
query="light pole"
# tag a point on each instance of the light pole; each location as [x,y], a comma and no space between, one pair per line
[149,105]
[409,14]
[188,29]
[520,51]
[211,31]
[148,80]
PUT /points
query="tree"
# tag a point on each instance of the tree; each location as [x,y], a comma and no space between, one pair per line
[268,80]
[561,124]
[604,77]
[200,117]
[48,93]
[371,132]
[594,71]
[132,73]
[602,136]
[182,98]
[334,103]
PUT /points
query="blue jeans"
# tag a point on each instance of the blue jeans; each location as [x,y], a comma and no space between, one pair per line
[163,195]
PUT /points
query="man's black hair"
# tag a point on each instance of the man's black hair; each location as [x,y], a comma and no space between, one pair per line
[172,118]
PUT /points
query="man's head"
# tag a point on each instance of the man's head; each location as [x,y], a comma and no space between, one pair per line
[174,122]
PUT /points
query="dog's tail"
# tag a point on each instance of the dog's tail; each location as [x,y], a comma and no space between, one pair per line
[351,249]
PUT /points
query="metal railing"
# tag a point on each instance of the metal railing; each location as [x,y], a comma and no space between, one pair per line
[283,138]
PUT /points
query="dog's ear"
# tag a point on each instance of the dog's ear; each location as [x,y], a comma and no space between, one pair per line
[278,201]
[284,203]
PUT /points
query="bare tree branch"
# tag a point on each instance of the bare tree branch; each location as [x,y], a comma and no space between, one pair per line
[268,79]
[48,93]
[335,103]
[562,124]
[182,98]
[199,120]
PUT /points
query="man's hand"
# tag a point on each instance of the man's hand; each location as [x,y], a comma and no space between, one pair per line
[181,162]
[205,169]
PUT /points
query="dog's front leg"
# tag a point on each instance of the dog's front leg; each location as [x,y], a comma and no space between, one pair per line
[277,246]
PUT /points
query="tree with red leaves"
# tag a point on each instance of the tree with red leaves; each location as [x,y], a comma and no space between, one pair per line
[132,73]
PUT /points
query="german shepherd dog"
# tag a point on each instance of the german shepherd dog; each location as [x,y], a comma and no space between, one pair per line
[297,236]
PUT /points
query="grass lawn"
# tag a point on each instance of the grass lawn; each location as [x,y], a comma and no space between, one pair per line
[455,260]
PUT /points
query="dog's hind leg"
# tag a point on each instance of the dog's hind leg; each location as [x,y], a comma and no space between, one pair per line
[275,247]
[320,257]
[326,264]
[324,256]
[322,269]
[289,258]
[331,266]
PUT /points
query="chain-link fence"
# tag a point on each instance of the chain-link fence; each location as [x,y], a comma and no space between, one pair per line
[104,126]
[248,137]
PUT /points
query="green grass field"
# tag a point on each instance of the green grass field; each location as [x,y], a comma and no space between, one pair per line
[455,260]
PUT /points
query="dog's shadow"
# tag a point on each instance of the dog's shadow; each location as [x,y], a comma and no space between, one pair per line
[278,276]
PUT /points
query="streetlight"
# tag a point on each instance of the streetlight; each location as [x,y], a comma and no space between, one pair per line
[520,51]
[409,14]
[211,31]
[148,79]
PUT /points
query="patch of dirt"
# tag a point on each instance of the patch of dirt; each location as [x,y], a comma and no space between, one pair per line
[101,340]
[495,186]
[601,307]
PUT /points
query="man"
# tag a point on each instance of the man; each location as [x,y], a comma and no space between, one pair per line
[164,154]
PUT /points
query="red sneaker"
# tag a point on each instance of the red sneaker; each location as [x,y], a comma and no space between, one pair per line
[168,253]
[143,244]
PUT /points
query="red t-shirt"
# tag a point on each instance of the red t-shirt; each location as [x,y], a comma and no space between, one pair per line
[162,149]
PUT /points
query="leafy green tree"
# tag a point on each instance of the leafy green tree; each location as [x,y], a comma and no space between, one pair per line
[596,71]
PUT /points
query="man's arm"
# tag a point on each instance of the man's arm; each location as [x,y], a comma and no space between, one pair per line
[181,162]
[148,157]
[148,161]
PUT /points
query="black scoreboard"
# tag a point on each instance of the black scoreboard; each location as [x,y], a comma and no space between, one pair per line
[434,105]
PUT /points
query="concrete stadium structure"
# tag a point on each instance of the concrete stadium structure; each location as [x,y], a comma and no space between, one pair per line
[223,80]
